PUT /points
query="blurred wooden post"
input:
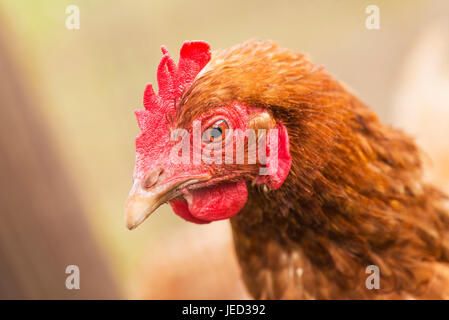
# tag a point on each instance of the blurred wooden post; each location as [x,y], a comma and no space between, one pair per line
[42,226]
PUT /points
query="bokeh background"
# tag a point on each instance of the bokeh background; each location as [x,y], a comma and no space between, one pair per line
[68,127]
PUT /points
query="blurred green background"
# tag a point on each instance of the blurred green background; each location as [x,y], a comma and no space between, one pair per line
[87,82]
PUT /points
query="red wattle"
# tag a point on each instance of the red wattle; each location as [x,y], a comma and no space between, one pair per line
[213,203]
[181,208]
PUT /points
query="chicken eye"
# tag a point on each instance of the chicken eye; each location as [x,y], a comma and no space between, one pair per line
[215,132]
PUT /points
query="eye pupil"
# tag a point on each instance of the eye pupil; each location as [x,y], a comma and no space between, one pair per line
[215,132]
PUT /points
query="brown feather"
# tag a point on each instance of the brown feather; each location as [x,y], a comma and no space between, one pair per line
[354,195]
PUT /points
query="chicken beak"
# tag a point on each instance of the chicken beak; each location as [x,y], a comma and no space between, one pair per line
[142,201]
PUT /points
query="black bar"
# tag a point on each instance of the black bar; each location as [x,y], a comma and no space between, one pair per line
[238,309]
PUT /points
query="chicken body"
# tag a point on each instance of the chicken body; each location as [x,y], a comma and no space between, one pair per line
[354,195]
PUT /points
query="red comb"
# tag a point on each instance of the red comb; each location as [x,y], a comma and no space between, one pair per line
[173,79]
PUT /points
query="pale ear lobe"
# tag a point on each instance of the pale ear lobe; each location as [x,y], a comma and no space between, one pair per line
[278,161]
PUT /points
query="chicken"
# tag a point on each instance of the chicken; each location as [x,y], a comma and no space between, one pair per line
[331,191]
